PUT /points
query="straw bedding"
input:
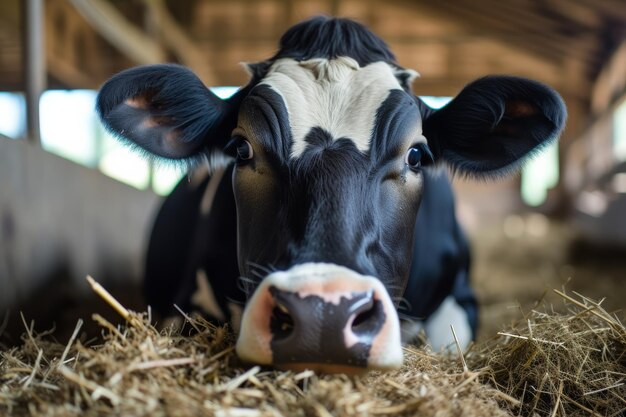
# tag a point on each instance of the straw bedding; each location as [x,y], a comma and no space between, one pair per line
[549,364]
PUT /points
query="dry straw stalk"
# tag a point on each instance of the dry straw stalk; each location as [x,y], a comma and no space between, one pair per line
[551,364]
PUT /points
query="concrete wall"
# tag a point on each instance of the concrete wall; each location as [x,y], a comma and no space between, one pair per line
[57,217]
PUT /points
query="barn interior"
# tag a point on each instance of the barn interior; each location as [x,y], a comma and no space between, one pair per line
[74,202]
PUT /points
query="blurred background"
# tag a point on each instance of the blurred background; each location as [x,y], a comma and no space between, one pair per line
[75,202]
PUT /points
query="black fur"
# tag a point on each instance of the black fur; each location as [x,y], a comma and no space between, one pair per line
[440,260]
[326,37]
[170,241]
[395,119]
[267,109]
[479,134]
[184,240]
[180,118]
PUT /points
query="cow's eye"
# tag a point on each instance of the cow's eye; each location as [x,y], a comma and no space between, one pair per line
[244,151]
[413,158]
[417,156]
[240,149]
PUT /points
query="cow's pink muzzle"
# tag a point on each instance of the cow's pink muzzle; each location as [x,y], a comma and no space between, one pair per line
[323,317]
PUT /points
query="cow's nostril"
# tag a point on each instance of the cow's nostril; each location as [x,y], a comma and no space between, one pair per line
[281,322]
[363,317]
[368,320]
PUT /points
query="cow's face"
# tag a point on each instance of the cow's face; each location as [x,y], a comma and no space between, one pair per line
[328,180]
[329,153]
[329,160]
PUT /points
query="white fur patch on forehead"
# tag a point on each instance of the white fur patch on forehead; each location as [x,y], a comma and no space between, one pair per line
[336,95]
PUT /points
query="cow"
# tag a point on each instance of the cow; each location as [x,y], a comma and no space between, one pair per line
[304,231]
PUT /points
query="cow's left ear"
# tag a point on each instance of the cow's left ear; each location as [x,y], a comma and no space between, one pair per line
[494,124]
[167,111]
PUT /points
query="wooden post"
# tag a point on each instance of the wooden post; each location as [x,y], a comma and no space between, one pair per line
[34,65]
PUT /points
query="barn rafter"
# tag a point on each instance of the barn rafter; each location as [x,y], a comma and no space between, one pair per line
[564,43]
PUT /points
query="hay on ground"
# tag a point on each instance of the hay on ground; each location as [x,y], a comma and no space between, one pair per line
[562,364]
[550,364]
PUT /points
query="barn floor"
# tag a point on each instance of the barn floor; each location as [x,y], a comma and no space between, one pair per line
[515,264]
[519,261]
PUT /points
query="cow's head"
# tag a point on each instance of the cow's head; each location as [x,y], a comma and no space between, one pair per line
[330,146]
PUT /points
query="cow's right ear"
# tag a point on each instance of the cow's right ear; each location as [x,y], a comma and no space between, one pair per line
[166,110]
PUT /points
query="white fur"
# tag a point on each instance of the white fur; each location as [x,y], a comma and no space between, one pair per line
[209,193]
[205,298]
[236,312]
[336,95]
[410,330]
[197,176]
[438,326]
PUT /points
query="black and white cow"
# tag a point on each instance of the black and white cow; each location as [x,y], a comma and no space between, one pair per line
[311,220]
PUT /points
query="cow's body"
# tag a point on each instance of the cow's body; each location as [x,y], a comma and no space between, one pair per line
[313,225]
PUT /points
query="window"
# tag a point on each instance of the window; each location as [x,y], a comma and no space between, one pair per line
[436,102]
[539,175]
[619,132]
[12,115]
[122,163]
[68,125]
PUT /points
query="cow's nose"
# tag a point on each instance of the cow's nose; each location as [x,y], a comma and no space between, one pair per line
[323,317]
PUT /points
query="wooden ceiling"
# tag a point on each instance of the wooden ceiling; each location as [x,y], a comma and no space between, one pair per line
[561,42]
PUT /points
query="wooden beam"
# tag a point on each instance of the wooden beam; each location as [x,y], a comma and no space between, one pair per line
[335,6]
[612,9]
[76,55]
[68,74]
[581,14]
[116,29]
[12,55]
[481,24]
[289,12]
[179,42]
[535,32]
[546,29]
[11,12]
[610,85]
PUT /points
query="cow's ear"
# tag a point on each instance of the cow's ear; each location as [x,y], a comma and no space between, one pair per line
[494,124]
[166,110]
